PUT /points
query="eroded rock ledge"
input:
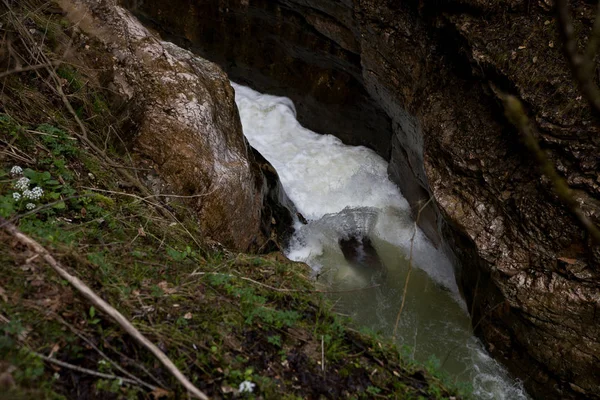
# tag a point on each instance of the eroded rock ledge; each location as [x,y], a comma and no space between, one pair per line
[419,84]
[182,119]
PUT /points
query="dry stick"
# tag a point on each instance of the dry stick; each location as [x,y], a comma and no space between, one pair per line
[44,207]
[85,370]
[516,115]
[195,273]
[473,329]
[583,66]
[102,305]
[137,365]
[113,363]
[193,196]
[592,45]
[322,353]
[155,205]
[133,380]
[24,69]
[405,289]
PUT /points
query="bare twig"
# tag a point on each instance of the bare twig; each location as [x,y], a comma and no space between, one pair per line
[44,207]
[48,134]
[85,370]
[113,363]
[410,265]
[166,212]
[582,65]
[473,329]
[103,306]
[193,196]
[280,290]
[322,353]
[25,69]
[136,364]
[517,116]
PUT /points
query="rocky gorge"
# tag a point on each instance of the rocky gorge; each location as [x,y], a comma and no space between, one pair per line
[421,84]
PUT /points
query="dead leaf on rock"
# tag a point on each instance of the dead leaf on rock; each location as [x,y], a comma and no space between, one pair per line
[159,393]
[569,261]
[164,285]
[227,389]
[3,295]
[54,350]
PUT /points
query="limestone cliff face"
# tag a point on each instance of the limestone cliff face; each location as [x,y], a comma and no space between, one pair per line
[419,84]
[182,117]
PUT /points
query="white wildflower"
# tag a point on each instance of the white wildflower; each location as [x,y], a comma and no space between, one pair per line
[38,192]
[56,375]
[22,184]
[34,194]
[30,206]
[16,170]
[17,196]
[247,386]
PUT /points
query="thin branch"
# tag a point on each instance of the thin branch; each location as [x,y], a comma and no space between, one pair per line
[473,329]
[85,370]
[196,273]
[410,265]
[582,65]
[44,207]
[322,353]
[193,196]
[517,116]
[24,69]
[165,211]
[103,306]
[136,364]
[113,363]
[47,134]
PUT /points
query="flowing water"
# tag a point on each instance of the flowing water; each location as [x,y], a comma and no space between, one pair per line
[345,194]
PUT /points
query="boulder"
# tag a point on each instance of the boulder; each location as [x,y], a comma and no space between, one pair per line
[182,119]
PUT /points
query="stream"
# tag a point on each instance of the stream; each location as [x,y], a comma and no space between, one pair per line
[346,196]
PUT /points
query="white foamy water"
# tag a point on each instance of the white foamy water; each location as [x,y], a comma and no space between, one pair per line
[344,191]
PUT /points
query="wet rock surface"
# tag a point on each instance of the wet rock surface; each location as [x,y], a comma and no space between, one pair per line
[183,122]
[362,256]
[420,85]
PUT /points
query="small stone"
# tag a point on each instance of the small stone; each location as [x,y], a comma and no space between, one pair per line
[551,44]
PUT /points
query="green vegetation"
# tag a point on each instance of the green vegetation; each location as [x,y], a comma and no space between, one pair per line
[222,318]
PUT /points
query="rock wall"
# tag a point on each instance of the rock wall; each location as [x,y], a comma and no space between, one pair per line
[182,121]
[419,83]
